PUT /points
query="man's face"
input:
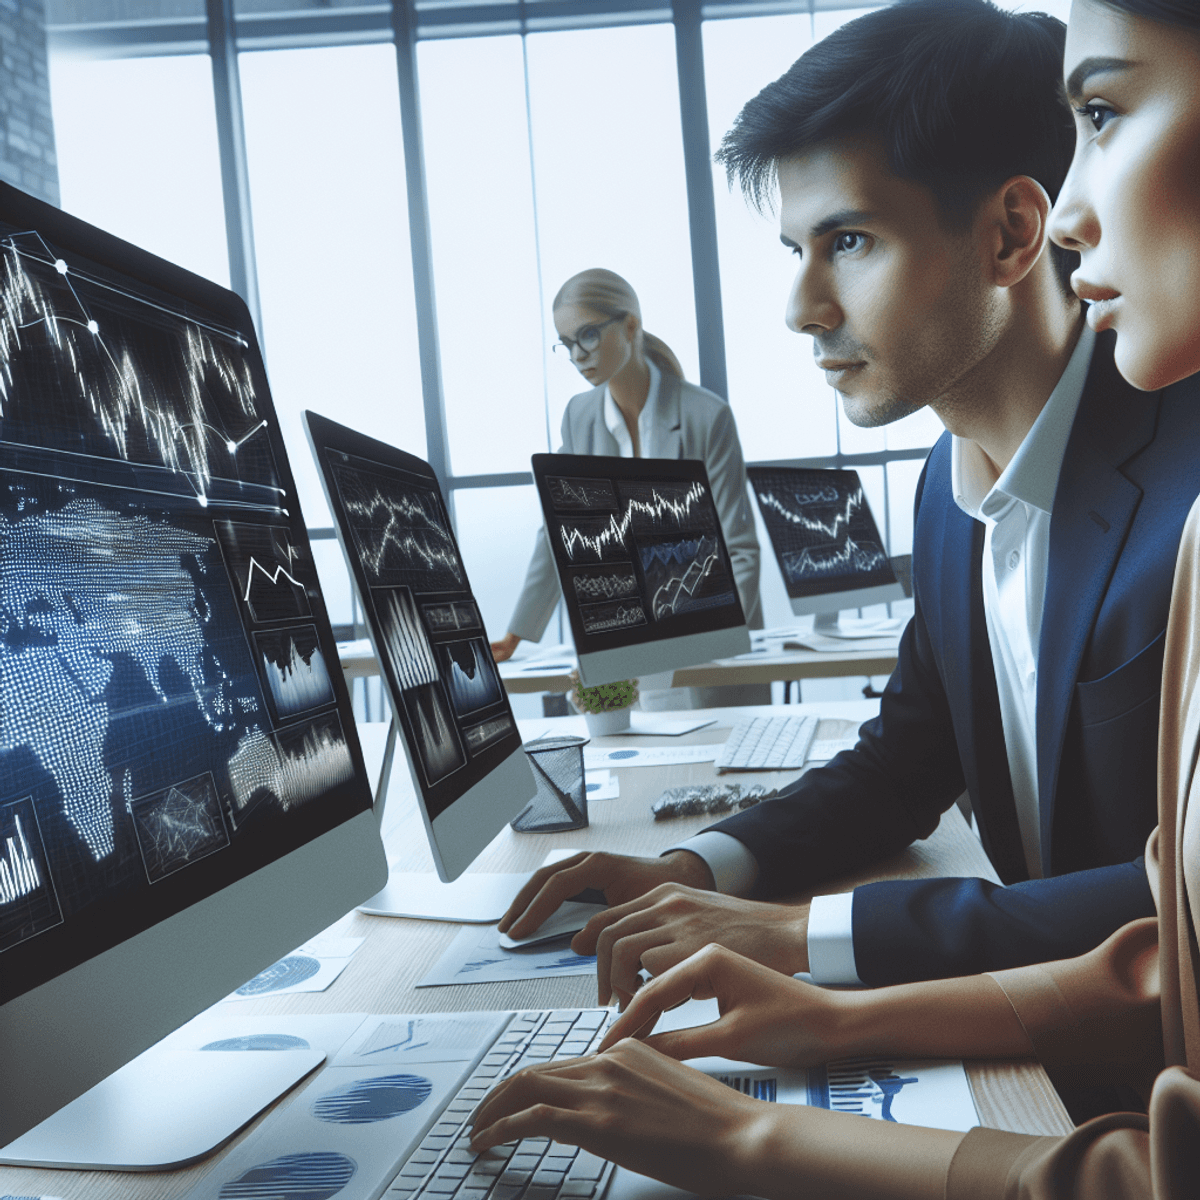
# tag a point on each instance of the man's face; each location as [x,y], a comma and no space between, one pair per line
[899,308]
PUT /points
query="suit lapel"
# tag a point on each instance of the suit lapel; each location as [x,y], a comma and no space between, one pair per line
[1093,509]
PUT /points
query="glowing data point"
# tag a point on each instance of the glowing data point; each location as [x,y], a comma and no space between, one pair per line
[93,327]
[231,447]
[203,501]
[60,266]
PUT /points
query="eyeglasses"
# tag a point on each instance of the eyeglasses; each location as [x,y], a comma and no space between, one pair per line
[587,338]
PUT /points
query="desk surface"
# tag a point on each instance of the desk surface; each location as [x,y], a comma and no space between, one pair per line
[381,976]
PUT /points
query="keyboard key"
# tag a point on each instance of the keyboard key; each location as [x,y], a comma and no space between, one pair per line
[514,1177]
[451,1171]
[547,1176]
[506,1191]
[538,1192]
[587,1166]
[578,1187]
[559,1150]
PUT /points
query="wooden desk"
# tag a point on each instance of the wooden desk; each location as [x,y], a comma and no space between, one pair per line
[380,978]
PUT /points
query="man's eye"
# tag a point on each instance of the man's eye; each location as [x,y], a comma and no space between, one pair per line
[847,242]
[1096,114]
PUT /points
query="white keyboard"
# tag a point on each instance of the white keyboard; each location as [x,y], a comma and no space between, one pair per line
[767,744]
[443,1167]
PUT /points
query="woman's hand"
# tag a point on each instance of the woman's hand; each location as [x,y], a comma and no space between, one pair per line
[503,650]
[765,1017]
[636,1107]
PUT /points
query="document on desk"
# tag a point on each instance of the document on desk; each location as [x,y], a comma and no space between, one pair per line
[595,757]
[311,968]
[475,956]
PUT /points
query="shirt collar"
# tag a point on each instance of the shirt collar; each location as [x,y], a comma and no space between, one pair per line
[1032,475]
[616,422]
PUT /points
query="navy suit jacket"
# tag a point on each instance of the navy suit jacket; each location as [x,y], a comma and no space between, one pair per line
[1129,476]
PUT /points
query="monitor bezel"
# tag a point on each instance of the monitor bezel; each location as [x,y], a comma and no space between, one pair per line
[461,828]
[67,1032]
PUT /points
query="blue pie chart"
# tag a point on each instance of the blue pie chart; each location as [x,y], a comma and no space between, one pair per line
[314,1176]
[369,1100]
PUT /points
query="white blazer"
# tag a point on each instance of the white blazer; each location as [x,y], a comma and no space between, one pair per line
[688,423]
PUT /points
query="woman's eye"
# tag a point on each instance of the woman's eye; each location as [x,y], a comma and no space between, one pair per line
[847,242]
[1097,115]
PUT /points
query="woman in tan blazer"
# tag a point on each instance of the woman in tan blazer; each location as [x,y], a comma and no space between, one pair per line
[639,406]
[1127,1012]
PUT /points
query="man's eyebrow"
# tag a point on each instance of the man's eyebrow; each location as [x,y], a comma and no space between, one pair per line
[1093,66]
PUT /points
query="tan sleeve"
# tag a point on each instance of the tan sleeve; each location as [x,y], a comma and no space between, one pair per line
[1121,1156]
[1103,1007]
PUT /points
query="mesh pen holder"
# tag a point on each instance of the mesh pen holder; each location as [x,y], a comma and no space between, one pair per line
[561,800]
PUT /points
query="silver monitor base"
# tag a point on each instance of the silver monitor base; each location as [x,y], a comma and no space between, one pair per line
[471,899]
[163,1110]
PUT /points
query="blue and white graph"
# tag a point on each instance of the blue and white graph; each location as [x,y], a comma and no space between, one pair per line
[437,738]
[685,574]
[470,674]
[368,1101]
[820,527]
[28,901]
[293,669]
[287,972]
[315,1175]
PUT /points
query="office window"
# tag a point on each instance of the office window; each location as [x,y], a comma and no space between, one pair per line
[481,220]
[331,240]
[496,528]
[136,140]
[784,407]
[608,168]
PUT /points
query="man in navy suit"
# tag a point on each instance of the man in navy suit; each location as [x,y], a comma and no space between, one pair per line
[916,151]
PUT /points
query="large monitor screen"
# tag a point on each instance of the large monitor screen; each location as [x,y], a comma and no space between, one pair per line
[429,637]
[172,715]
[641,559]
[821,529]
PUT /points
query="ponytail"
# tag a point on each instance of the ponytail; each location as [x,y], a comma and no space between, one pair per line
[662,355]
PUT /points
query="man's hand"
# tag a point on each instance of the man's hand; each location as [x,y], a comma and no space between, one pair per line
[636,1107]
[662,928]
[503,650]
[620,877]
[765,1018]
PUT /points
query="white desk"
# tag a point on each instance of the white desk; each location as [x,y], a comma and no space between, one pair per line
[381,976]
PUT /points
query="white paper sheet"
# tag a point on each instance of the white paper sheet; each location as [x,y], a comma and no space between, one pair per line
[310,968]
[602,785]
[475,956]
[647,756]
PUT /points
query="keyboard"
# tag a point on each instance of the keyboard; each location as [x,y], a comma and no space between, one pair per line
[767,744]
[443,1167]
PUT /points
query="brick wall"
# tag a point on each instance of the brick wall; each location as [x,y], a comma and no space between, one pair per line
[26,127]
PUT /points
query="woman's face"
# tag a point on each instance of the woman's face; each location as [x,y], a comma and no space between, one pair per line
[1131,202]
[616,342]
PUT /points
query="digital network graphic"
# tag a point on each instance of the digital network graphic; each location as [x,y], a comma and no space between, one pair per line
[179,825]
[819,525]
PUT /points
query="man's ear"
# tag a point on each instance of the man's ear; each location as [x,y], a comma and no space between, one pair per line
[1015,223]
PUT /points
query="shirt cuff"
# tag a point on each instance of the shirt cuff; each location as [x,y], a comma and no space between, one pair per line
[734,868]
[831,940]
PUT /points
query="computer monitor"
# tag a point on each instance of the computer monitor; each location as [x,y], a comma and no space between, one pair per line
[459,735]
[182,793]
[645,574]
[825,539]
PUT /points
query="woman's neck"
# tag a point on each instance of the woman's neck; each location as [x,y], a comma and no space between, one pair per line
[630,388]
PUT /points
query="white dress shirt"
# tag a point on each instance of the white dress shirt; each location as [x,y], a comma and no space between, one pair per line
[1015,509]
[615,419]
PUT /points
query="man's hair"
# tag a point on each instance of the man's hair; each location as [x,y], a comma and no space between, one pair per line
[1183,14]
[960,94]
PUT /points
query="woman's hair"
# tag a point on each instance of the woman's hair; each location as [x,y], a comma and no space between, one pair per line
[606,292]
[1182,13]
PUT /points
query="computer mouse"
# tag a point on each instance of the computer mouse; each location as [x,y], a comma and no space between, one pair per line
[569,918]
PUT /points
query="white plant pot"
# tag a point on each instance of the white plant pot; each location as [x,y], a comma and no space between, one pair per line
[604,724]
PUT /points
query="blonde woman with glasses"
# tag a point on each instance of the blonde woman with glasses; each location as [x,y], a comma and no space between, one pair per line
[639,406]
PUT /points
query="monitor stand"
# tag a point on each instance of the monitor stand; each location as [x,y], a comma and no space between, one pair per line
[475,899]
[165,1109]
[830,624]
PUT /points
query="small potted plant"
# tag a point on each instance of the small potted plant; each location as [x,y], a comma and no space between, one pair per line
[605,708]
